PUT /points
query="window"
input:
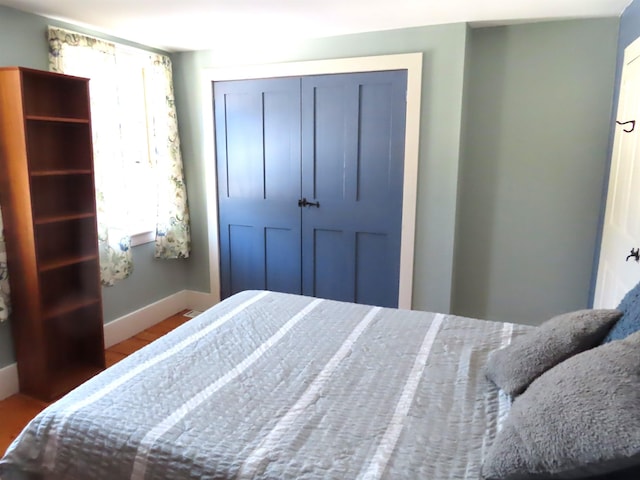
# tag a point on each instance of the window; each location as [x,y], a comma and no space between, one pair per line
[140,189]
[136,146]
[127,70]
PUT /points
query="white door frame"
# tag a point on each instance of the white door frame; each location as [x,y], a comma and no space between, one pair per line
[412,62]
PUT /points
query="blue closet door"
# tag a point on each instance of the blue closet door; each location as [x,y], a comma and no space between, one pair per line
[258,168]
[334,143]
[353,129]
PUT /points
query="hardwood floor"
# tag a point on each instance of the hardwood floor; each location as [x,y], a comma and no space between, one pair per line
[17,410]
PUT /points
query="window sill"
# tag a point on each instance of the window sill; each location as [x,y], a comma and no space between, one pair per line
[142,238]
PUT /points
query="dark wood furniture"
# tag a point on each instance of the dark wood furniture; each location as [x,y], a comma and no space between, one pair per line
[48,204]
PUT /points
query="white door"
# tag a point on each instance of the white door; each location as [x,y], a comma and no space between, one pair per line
[617,271]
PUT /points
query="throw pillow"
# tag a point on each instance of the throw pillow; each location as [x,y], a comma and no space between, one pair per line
[578,420]
[630,320]
[514,367]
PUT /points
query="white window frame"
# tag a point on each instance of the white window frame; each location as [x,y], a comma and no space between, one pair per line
[142,231]
[133,83]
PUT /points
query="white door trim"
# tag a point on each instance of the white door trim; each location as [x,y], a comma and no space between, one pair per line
[412,62]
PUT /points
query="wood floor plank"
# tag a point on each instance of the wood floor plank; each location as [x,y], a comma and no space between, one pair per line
[111,358]
[148,336]
[127,347]
[17,410]
[169,324]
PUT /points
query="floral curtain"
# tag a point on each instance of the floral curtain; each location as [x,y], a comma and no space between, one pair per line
[173,237]
[4,277]
[79,55]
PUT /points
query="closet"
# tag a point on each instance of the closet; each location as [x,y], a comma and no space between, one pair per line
[310,173]
[48,204]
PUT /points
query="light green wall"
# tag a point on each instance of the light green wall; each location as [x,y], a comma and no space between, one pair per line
[537,112]
[443,48]
[532,157]
[24,43]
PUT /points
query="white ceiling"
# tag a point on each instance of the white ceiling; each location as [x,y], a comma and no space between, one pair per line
[177,25]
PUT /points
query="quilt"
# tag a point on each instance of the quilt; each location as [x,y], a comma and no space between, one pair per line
[278,386]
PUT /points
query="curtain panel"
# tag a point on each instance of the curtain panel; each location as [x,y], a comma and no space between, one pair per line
[4,276]
[173,237]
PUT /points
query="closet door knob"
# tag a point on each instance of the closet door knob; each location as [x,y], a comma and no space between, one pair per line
[305,203]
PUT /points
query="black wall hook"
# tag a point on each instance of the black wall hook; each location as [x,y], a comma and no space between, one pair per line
[635,253]
[632,122]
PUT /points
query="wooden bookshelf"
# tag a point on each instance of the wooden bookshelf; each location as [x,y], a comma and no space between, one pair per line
[48,202]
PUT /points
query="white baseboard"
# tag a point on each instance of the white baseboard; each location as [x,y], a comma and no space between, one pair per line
[201,301]
[133,323]
[126,326]
[8,380]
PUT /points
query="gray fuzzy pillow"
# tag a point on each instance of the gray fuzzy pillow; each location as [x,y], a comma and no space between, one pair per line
[514,367]
[580,419]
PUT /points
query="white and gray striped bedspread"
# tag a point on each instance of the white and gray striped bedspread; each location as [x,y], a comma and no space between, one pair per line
[267,385]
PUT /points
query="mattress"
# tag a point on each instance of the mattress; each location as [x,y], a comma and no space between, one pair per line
[277,386]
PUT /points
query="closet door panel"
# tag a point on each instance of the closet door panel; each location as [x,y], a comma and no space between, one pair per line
[376,171]
[336,141]
[363,199]
[368,290]
[329,141]
[282,274]
[333,275]
[257,125]
[282,145]
[244,161]
[245,258]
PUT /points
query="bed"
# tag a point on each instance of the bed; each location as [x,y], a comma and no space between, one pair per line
[279,386]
